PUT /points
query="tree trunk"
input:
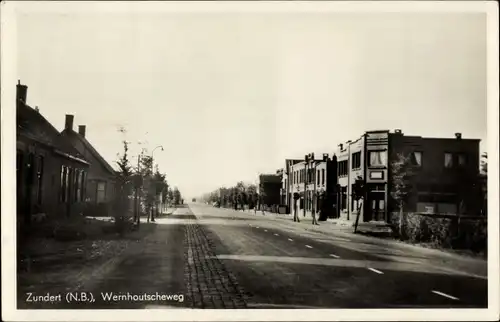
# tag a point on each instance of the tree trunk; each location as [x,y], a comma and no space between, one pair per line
[401,219]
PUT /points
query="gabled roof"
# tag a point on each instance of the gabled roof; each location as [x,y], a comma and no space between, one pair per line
[90,147]
[32,125]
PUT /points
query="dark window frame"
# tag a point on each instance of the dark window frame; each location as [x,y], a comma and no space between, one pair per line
[415,158]
[356,160]
[457,156]
[452,165]
[62,184]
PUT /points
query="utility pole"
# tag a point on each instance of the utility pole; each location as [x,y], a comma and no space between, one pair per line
[306,159]
[315,197]
[349,188]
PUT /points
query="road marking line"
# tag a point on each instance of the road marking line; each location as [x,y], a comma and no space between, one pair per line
[257,227]
[375,270]
[334,256]
[309,246]
[265,230]
[276,235]
[446,295]
[290,239]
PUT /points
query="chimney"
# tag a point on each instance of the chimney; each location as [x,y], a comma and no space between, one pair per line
[341,146]
[37,109]
[325,156]
[22,91]
[81,130]
[458,136]
[69,122]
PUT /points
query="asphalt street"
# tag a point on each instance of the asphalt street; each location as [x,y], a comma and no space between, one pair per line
[281,267]
[221,258]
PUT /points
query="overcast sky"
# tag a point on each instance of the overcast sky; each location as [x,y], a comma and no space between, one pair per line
[232,95]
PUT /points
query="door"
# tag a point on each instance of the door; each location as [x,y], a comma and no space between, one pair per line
[376,204]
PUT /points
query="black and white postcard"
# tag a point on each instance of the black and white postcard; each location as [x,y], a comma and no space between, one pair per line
[249,160]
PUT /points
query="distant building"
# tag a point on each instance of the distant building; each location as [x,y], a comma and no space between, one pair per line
[269,189]
[311,181]
[101,177]
[50,173]
[286,183]
[447,170]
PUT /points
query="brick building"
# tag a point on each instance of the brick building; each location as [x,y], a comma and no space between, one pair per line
[350,166]
[286,183]
[445,181]
[50,174]
[311,180]
[101,176]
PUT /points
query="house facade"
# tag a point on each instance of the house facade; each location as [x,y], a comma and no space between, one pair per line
[51,175]
[445,177]
[350,166]
[311,180]
[287,183]
[102,178]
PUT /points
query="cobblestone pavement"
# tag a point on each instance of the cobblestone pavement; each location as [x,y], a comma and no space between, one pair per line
[209,283]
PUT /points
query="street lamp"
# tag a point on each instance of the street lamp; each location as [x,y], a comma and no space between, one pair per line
[152,173]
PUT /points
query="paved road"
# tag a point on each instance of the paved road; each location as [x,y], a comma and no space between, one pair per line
[220,258]
[282,267]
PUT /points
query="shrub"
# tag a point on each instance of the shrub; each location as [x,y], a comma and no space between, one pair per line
[443,231]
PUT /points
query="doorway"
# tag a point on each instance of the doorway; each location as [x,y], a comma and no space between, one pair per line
[376,206]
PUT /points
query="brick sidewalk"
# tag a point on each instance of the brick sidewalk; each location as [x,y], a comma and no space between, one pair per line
[209,284]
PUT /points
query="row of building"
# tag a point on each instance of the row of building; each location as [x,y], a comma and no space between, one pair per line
[446,177]
[57,173]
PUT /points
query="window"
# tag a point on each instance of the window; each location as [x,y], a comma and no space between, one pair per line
[76,175]
[101,192]
[416,158]
[39,174]
[343,200]
[78,195]
[64,170]
[342,168]
[317,181]
[377,158]
[69,175]
[448,160]
[462,160]
[323,176]
[82,191]
[356,160]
